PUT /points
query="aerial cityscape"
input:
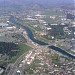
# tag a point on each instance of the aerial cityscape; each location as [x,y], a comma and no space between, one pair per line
[37,37]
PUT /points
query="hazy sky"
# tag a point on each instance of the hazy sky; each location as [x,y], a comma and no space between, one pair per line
[38,0]
[43,2]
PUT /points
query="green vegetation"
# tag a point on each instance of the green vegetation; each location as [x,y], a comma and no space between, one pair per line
[7,52]
[42,38]
[57,31]
[55,60]
[9,49]
[64,48]
[4,63]
[11,52]
[30,26]
[23,48]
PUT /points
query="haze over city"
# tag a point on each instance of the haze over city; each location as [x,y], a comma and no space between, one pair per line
[37,37]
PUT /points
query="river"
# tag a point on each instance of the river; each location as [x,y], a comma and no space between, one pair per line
[31,36]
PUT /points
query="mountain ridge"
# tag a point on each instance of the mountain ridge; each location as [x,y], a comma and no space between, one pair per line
[32,3]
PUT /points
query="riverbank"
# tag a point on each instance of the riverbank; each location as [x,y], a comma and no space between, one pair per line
[31,36]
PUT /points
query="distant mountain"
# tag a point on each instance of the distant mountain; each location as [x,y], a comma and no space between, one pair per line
[67,6]
[34,3]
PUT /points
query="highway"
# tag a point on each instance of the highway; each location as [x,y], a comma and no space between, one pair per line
[31,43]
[15,65]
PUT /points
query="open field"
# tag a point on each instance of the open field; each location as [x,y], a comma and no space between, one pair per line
[23,48]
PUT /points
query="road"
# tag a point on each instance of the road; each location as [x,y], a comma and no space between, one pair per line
[15,65]
[30,43]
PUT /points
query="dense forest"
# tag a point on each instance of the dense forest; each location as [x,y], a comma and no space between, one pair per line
[9,49]
[57,31]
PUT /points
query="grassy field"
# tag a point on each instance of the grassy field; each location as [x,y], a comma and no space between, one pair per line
[38,29]
[23,48]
